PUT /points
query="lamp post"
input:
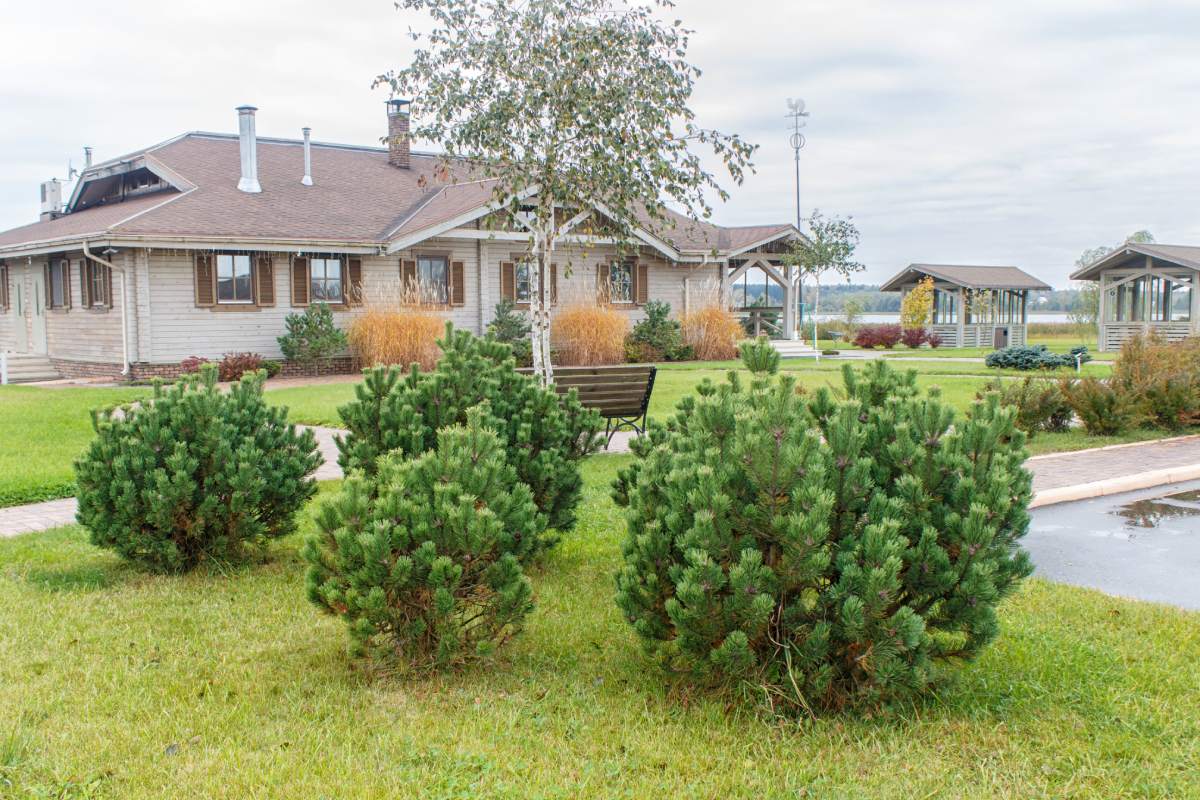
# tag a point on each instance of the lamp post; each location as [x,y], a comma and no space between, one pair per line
[798,115]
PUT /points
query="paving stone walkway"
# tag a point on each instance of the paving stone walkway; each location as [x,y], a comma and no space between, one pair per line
[1052,471]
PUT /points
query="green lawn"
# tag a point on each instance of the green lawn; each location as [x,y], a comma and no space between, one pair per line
[228,683]
[41,432]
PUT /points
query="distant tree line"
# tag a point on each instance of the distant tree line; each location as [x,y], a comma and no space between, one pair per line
[872,301]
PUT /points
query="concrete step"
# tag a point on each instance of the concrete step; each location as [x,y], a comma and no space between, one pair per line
[792,349]
[26,368]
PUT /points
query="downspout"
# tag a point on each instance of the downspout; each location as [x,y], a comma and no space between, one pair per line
[124,322]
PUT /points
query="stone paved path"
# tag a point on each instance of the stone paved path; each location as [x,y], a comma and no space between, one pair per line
[1049,472]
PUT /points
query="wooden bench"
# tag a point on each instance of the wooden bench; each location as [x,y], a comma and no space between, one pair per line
[621,393]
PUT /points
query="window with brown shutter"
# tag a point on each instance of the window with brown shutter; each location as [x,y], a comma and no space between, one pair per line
[299,281]
[603,292]
[508,281]
[408,277]
[458,285]
[206,292]
[58,284]
[642,283]
[95,284]
[354,289]
[265,280]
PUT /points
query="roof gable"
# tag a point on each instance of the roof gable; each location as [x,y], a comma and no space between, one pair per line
[1180,255]
[967,276]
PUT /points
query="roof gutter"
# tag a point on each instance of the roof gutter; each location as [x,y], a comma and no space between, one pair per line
[124,326]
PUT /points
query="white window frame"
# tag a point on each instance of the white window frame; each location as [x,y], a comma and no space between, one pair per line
[437,292]
[627,267]
[233,262]
[326,278]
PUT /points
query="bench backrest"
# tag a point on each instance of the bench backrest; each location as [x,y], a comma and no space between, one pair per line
[621,390]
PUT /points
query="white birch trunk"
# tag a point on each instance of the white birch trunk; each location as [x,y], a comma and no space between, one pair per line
[539,308]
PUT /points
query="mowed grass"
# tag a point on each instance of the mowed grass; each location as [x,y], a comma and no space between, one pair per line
[42,431]
[228,683]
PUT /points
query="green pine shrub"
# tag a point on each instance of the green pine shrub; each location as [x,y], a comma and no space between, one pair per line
[512,327]
[1163,377]
[422,559]
[1040,404]
[545,435]
[194,473]
[1103,406]
[311,336]
[822,551]
[657,337]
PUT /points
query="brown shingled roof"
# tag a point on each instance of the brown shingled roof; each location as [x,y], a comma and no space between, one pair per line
[357,198]
[970,276]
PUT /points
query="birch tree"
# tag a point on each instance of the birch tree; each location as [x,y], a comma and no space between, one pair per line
[827,247]
[567,105]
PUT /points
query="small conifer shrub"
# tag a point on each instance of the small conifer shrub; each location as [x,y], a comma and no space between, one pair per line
[423,558]
[821,551]
[512,327]
[545,435]
[194,473]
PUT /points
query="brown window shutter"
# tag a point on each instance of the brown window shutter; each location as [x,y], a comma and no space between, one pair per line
[4,286]
[408,276]
[602,291]
[264,279]
[299,281]
[67,282]
[85,284]
[641,271]
[508,281]
[353,283]
[206,290]
[458,285]
[554,283]
[108,298]
[46,283]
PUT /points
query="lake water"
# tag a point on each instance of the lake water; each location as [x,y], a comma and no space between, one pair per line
[880,317]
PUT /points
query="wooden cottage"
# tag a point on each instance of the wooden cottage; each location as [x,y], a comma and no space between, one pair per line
[973,306]
[1145,287]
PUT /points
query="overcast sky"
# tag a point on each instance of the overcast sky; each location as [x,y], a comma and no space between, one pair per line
[1018,133]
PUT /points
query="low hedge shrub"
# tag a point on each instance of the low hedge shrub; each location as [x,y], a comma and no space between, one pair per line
[1040,404]
[1031,357]
[872,336]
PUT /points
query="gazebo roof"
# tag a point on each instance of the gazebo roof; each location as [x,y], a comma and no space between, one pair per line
[1181,255]
[968,276]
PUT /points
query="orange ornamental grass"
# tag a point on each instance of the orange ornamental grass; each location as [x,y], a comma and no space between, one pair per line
[584,332]
[713,332]
[397,325]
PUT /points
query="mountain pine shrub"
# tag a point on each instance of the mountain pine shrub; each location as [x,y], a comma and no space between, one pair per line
[822,551]
[545,435]
[422,559]
[194,473]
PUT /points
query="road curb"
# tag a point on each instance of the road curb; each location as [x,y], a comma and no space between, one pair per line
[1125,483]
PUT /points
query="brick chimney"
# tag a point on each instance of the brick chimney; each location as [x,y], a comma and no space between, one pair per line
[397,139]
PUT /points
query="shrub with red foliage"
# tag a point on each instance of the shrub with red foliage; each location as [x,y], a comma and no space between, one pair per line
[871,336]
[914,337]
[192,364]
[234,365]
[934,340]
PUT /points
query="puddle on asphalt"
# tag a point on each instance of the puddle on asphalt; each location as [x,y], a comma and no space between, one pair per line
[1151,512]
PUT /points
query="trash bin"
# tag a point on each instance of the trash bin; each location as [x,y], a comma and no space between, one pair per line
[1000,338]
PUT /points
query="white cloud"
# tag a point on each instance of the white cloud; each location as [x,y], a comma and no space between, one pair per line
[1017,132]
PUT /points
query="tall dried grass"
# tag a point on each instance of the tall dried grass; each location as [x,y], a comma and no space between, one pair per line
[584,331]
[397,326]
[710,328]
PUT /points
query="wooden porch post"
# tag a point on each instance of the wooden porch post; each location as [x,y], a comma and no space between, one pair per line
[1101,310]
[789,304]
[962,318]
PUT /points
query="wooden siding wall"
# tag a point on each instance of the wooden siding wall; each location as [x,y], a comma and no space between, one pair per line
[75,333]
[8,316]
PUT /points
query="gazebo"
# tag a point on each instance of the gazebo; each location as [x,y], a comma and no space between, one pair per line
[973,306]
[1146,287]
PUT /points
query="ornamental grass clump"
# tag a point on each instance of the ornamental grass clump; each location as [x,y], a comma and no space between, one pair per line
[397,325]
[194,474]
[585,332]
[712,332]
[422,560]
[545,435]
[823,550]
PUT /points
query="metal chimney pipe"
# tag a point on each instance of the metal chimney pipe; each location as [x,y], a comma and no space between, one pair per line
[248,144]
[87,157]
[307,179]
